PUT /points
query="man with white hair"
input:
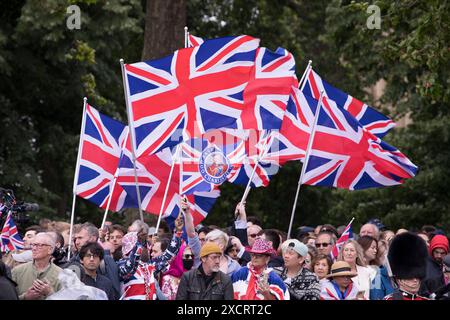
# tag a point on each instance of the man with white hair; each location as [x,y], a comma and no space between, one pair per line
[370,229]
[39,278]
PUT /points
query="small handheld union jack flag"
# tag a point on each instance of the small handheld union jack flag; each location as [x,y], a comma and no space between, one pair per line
[11,239]
[346,235]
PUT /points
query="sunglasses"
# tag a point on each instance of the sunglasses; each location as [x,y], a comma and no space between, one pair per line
[318,245]
[254,235]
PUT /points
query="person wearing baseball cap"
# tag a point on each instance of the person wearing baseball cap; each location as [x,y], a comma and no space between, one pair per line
[302,283]
[257,281]
[339,285]
[206,282]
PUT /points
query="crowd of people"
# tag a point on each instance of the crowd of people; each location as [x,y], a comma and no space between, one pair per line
[241,262]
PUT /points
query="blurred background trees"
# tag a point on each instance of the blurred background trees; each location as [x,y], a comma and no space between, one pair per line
[46,69]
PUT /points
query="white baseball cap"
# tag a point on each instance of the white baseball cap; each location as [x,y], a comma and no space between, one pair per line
[295,245]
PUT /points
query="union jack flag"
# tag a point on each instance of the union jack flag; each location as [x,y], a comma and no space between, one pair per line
[345,236]
[259,149]
[101,149]
[194,41]
[199,202]
[233,149]
[11,239]
[370,119]
[346,155]
[268,90]
[191,91]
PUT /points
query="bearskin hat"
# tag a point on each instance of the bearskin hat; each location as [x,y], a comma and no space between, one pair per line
[408,256]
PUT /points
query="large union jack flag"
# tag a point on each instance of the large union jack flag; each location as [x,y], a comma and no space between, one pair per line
[372,120]
[101,149]
[189,92]
[346,155]
[268,89]
[11,239]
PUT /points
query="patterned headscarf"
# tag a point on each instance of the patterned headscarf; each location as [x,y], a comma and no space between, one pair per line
[128,242]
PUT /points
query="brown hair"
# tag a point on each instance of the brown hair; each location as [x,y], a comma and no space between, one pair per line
[319,257]
[365,242]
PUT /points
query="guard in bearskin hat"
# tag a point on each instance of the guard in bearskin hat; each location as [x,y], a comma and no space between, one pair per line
[407,258]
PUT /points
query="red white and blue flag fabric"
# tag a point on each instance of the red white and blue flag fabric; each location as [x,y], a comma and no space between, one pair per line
[194,41]
[345,236]
[268,90]
[11,239]
[206,165]
[346,155]
[189,92]
[101,149]
[372,120]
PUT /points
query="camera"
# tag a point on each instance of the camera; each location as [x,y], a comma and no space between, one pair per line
[8,204]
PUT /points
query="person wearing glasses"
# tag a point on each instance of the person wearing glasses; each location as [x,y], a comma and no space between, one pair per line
[206,282]
[325,242]
[91,255]
[39,278]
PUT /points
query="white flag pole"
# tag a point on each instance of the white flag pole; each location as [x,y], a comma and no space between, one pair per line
[113,182]
[247,188]
[186,35]
[302,82]
[174,158]
[75,178]
[305,163]
[132,135]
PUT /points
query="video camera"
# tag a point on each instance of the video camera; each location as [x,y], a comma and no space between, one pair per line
[8,203]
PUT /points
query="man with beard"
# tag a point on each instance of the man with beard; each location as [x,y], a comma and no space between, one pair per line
[206,282]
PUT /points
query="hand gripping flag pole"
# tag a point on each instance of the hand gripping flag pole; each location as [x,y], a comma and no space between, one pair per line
[112,186]
[132,134]
[75,178]
[305,164]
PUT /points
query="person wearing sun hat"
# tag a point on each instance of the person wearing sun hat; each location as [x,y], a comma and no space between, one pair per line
[302,283]
[339,285]
[206,282]
[257,281]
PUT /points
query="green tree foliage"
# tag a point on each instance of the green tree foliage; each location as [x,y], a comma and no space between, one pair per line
[46,69]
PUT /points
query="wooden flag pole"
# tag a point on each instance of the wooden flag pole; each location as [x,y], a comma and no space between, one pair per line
[305,163]
[132,135]
[75,178]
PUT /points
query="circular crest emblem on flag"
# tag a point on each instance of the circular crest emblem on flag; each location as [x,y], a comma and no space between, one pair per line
[214,166]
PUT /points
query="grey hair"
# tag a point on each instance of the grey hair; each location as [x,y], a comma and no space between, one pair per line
[219,235]
[50,237]
[91,229]
[138,226]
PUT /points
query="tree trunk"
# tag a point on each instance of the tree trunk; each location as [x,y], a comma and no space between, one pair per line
[164,28]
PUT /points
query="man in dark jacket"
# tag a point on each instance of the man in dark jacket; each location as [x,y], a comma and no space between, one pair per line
[7,285]
[108,267]
[435,277]
[206,282]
